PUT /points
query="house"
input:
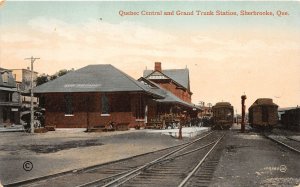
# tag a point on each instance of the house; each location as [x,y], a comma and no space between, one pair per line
[206,112]
[177,81]
[23,78]
[93,96]
[23,83]
[9,99]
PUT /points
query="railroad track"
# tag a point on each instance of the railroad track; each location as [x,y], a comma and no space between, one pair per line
[176,169]
[286,141]
[106,173]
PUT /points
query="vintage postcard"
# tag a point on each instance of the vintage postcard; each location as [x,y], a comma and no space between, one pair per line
[149,93]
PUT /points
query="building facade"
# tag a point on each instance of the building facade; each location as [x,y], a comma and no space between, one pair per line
[97,95]
[177,81]
[206,112]
[93,96]
[23,84]
[23,78]
[174,84]
[169,105]
[9,99]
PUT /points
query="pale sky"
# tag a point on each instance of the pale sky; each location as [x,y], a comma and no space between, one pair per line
[226,55]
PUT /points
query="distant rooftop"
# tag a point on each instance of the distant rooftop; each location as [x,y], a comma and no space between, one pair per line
[287,108]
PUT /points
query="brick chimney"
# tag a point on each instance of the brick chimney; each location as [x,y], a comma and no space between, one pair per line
[157,66]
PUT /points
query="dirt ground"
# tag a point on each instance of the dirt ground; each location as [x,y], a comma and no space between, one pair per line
[248,159]
[251,160]
[59,151]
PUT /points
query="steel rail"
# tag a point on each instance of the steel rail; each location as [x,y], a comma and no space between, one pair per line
[185,180]
[286,136]
[283,144]
[292,139]
[124,172]
[118,180]
[189,152]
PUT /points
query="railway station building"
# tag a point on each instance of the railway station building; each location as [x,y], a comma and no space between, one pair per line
[97,95]
[94,95]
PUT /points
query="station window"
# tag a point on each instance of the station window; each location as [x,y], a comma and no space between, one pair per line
[140,108]
[105,106]
[68,105]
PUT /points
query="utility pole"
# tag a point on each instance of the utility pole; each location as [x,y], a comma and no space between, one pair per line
[87,101]
[209,109]
[31,94]
[243,113]
[236,117]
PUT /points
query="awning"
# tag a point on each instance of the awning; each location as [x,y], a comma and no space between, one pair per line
[10,104]
[8,89]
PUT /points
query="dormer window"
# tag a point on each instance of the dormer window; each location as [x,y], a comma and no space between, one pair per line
[5,77]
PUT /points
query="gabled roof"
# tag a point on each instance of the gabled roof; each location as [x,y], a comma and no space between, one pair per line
[94,78]
[11,83]
[180,76]
[169,97]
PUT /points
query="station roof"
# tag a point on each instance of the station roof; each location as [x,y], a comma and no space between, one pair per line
[181,76]
[95,78]
[169,97]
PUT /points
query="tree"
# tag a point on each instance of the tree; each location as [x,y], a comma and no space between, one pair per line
[41,79]
[52,77]
[45,78]
[62,72]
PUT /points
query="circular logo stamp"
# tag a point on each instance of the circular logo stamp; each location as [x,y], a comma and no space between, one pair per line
[27,166]
[283,168]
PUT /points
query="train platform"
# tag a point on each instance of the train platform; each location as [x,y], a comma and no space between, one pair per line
[236,126]
[12,128]
[187,132]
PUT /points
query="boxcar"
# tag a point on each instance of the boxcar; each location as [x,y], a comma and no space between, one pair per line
[263,114]
[291,119]
[222,115]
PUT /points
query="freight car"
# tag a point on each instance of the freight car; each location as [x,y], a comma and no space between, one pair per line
[291,119]
[222,115]
[263,114]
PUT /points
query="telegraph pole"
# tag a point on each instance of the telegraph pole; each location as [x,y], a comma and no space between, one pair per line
[32,59]
[243,113]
